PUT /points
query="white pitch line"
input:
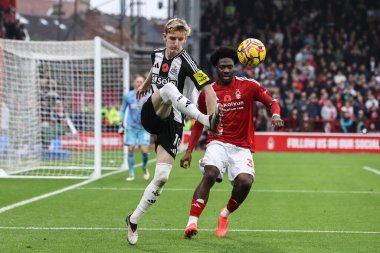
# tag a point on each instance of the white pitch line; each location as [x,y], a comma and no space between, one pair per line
[228,190]
[46,195]
[204,229]
[377,172]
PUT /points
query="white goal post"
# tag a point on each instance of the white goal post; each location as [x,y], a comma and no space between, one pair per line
[59,108]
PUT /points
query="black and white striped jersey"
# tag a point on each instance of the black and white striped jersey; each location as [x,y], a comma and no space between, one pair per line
[177,70]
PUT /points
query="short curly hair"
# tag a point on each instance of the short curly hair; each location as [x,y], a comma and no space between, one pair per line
[223,52]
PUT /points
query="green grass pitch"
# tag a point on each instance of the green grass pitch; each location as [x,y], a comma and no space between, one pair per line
[300,202]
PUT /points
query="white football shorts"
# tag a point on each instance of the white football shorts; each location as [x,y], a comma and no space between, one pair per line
[228,158]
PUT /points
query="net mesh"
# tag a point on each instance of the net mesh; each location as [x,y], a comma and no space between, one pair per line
[47,108]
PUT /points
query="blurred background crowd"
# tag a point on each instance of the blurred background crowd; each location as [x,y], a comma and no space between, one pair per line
[322,63]
[323,58]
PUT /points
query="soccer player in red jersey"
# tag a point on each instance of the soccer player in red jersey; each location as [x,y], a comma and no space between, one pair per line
[231,151]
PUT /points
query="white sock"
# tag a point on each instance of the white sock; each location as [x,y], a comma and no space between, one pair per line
[192,219]
[152,191]
[150,196]
[224,212]
[170,93]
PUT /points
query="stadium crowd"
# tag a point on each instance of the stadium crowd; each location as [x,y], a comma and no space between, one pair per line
[323,58]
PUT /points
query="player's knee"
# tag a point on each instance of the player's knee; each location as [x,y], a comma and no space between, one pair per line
[161,174]
[167,90]
[211,174]
[161,179]
[244,182]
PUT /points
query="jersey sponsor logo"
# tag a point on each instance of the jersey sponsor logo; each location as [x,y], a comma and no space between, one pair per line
[232,106]
[201,77]
[165,67]
[227,98]
[161,81]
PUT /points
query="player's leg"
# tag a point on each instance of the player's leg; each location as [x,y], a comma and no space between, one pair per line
[241,173]
[212,168]
[131,143]
[125,151]
[169,95]
[166,148]
[200,198]
[131,163]
[241,188]
[144,141]
[151,193]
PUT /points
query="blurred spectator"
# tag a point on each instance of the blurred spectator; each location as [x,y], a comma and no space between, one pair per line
[329,113]
[10,27]
[361,122]
[346,122]
[327,48]
[293,124]
[261,121]
[306,125]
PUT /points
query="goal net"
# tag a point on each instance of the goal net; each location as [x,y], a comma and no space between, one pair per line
[59,108]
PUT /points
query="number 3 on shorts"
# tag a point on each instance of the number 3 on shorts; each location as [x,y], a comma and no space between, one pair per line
[250,163]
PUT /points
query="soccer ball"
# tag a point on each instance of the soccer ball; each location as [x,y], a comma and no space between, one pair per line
[251,52]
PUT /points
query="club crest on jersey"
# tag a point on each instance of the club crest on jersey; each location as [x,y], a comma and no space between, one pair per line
[173,71]
[165,67]
[237,94]
[201,77]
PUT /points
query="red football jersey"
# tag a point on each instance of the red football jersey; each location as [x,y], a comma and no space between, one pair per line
[237,102]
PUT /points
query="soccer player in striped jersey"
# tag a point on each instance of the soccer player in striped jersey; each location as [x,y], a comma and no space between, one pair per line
[163,113]
[231,152]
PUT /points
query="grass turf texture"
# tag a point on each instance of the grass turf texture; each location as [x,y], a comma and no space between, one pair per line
[294,196]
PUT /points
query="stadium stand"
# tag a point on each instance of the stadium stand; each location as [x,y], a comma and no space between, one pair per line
[318,53]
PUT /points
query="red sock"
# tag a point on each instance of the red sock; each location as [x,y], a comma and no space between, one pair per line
[196,208]
[232,205]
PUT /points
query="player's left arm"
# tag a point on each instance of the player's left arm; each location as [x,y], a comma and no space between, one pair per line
[273,105]
[196,132]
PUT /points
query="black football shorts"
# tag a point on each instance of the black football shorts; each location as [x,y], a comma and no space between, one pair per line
[168,131]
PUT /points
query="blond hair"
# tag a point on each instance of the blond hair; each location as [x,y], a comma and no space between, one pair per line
[177,24]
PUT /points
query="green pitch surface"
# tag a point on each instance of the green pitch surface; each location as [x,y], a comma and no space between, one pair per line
[299,203]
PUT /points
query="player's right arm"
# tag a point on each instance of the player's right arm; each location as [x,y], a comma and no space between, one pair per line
[145,88]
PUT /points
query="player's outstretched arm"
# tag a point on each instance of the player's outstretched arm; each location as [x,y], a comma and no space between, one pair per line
[211,98]
[186,159]
[196,133]
[277,122]
[145,87]
[264,97]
